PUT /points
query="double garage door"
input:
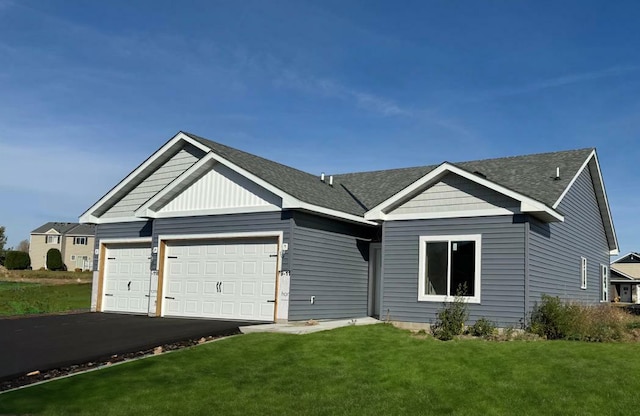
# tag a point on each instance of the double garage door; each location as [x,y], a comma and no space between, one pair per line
[225,279]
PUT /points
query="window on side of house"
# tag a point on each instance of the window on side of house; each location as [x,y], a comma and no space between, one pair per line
[449,266]
[583,272]
[80,241]
[604,276]
[53,239]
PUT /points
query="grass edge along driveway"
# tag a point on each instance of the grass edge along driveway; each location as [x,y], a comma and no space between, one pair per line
[374,369]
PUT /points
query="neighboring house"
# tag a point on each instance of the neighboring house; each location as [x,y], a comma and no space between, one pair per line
[625,279]
[75,242]
[200,229]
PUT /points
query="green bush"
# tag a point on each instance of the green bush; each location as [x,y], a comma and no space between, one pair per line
[450,320]
[54,260]
[17,260]
[555,319]
[483,328]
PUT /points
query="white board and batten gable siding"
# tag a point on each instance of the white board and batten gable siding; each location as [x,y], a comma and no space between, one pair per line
[160,178]
[455,194]
[220,190]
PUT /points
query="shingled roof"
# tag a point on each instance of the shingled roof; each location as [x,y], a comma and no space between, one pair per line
[66,228]
[355,193]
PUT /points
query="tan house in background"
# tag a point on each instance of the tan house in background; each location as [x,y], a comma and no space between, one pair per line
[75,242]
[625,279]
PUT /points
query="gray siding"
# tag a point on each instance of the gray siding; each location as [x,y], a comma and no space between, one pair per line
[330,262]
[155,182]
[455,193]
[503,270]
[134,229]
[556,248]
[215,224]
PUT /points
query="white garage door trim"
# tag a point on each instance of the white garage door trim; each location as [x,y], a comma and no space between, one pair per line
[110,244]
[281,293]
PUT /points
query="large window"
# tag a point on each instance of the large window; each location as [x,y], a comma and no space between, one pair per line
[53,239]
[80,241]
[449,266]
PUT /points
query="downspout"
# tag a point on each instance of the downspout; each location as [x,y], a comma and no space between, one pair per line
[527,229]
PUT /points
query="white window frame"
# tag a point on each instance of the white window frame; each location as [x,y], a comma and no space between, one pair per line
[583,273]
[604,281]
[79,241]
[50,237]
[424,239]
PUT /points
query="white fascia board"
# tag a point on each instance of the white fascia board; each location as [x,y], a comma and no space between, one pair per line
[329,212]
[125,240]
[116,219]
[288,201]
[593,159]
[87,216]
[527,204]
[449,214]
[218,211]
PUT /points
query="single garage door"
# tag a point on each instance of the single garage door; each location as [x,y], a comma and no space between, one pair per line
[126,278]
[227,279]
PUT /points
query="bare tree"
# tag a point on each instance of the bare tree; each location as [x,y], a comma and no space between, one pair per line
[23,246]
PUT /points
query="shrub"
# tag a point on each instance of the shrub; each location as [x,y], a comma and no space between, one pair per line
[17,260]
[450,320]
[555,319]
[483,328]
[54,259]
[77,269]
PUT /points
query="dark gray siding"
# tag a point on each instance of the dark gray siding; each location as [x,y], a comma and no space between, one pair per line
[134,229]
[330,262]
[232,223]
[556,248]
[502,278]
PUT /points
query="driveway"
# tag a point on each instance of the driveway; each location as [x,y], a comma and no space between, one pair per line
[47,342]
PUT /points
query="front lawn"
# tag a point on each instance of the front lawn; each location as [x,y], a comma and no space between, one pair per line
[375,370]
[17,298]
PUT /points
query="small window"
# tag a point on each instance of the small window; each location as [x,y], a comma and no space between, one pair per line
[449,266]
[73,258]
[583,273]
[53,239]
[604,275]
[80,241]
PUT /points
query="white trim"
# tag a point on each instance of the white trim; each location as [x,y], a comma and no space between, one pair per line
[288,201]
[584,273]
[279,235]
[625,256]
[116,220]
[218,211]
[575,178]
[527,204]
[604,282]
[423,239]
[449,214]
[593,157]
[88,217]
[131,240]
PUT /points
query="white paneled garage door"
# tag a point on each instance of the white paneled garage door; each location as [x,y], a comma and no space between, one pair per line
[227,279]
[126,278]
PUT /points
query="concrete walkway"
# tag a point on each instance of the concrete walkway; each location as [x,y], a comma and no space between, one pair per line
[307,327]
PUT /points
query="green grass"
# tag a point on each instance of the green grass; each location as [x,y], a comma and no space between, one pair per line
[50,274]
[18,298]
[374,370]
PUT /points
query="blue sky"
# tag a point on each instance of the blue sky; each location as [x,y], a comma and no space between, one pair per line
[89,89]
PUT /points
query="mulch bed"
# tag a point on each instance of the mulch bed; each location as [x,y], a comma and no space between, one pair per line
[117,358]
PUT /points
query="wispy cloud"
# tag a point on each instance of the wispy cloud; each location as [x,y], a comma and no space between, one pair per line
[565,80]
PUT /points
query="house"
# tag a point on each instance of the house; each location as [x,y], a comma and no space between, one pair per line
[75,242]
[201,229]
[625,279]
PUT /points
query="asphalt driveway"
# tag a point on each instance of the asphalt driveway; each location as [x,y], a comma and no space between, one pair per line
[48,342]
